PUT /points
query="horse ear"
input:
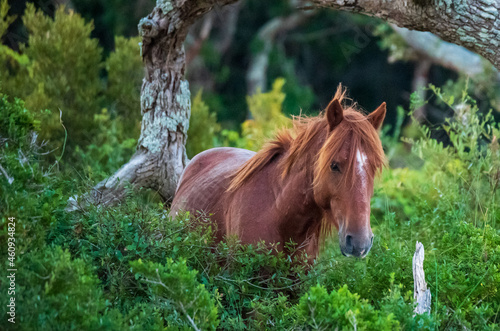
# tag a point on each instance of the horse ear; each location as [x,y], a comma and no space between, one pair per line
[334,114]
[377,117]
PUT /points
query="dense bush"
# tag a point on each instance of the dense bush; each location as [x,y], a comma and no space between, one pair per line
[54,46]
[119,265]
[58,73]
[57,292]
[266,110]
[203,127]
[341,310]
[267,116]
[174,287]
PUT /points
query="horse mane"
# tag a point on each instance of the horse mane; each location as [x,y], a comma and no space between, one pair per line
[295,145]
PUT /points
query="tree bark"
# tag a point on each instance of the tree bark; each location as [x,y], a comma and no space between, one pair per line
[165,104]
[448,55]
[420,81]
[474,24]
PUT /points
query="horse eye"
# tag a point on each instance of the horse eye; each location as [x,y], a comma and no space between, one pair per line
[334,167]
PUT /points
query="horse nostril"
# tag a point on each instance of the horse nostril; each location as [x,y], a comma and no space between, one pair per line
[348,241]
[371,241]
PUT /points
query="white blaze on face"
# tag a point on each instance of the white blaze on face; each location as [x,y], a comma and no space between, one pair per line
[360,162]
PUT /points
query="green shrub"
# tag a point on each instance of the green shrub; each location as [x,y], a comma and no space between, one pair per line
[64,65]
[137,229]
[277,312]
[175,288]
[465,172]
[125,74]
[467,293]
[203,127]
[56,292]
[340,310]
[267,116]
[59,75]
[111,147]
[16,122]
[450,204]
[236,276]
[28,190]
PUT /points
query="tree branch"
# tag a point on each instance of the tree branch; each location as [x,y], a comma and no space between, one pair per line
[448,55]
[420,81]
[205,30]
[257,70]
[474,24]
[230,16]
[422,294]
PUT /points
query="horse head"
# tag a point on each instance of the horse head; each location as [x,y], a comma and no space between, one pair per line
[345,168]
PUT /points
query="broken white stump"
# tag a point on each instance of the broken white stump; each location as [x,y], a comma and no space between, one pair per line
[422,294]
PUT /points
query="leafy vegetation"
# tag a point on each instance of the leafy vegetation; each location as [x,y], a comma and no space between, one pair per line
[203,127]
[66,100]
[133,266]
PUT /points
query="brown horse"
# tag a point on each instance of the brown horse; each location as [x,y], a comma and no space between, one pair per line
[320,172]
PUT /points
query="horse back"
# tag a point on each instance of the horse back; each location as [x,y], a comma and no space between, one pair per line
[204,181]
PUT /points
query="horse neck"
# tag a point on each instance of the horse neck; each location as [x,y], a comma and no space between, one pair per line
[296,194]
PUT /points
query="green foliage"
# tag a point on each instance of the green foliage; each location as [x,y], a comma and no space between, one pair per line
[125,73]
[267,116]
[175,287]
[58,73]
[467,170]
[16,122]
[82,271]
[451,204]
[23,178]
[138,229]
[63,73]
[58,293]
[110,147]
[203,127]
[341,310]
[5,19]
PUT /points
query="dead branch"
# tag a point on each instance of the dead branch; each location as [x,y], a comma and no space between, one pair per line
[422,294]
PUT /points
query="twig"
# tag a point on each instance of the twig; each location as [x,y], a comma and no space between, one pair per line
[9,179]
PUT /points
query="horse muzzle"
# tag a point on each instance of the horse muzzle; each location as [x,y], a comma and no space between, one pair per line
[357,246]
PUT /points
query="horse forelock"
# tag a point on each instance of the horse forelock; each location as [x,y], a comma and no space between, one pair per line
[361,137]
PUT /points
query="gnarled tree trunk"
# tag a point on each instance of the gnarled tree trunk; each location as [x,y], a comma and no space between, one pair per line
[165,104]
